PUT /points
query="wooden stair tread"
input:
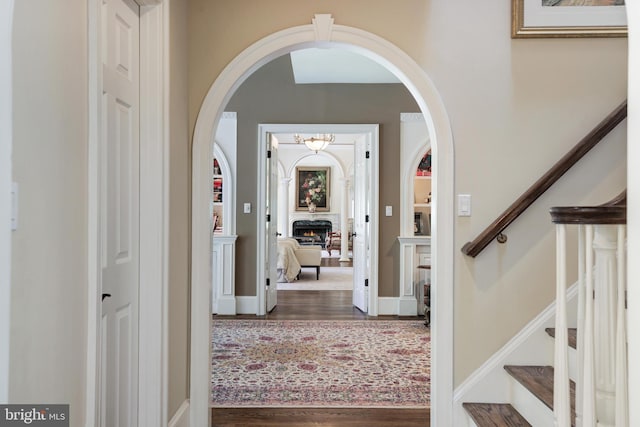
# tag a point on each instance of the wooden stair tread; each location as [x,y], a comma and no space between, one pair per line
[495,415]
[539,381]
[573,335]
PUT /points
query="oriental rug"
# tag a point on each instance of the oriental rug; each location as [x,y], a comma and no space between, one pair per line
[311,363]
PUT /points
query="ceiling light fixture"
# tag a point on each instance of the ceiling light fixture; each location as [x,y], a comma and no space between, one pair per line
[316,143]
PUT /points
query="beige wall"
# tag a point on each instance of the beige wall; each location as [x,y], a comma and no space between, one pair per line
[179,209]
[49,249]
[271,96]
[515,107]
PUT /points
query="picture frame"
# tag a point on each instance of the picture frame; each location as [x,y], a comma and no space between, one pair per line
[417,224]
[313,188]
[552,19]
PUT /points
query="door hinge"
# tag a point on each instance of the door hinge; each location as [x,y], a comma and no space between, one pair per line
[268,217]
[366,283]
[268,154]
[268,282]
[366,154]
[366,218]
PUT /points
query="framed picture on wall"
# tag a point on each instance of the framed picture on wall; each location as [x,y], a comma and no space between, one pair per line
[417,224]
[568,18]
[313,185]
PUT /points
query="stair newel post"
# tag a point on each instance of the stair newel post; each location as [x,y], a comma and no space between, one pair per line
[588,387]
[561,398]
[605,301]
[580,325]
[622,398]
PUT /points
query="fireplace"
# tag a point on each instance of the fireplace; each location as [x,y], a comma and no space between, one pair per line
[311,232]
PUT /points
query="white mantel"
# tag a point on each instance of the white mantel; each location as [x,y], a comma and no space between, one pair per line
[334,217]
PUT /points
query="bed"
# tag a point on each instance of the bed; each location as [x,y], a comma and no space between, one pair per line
[292,257]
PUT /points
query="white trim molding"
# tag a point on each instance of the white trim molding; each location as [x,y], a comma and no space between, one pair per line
[372,137]
[633,209]
[223,265]
[181,417]
[388,306]
[323,32]
[6,123]
[154,207]
[246,305]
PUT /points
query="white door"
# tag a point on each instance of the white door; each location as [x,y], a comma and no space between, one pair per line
[361,188]
[272,223]
[120,215]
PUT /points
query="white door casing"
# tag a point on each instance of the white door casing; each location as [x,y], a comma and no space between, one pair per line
[6,117]
[120,214]
[153,204]
[271,225]
[323,32]
[360,225]
[371,135]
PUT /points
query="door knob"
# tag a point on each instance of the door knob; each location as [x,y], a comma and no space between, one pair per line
[105,296]
[354,234]
[278,234]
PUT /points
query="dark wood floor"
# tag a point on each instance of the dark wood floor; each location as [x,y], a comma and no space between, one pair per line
[318,305]
[311,417]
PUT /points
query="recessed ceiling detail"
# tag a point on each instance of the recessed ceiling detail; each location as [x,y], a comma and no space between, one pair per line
[312,66]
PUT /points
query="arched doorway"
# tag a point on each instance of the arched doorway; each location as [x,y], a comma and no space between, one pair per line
[323,32]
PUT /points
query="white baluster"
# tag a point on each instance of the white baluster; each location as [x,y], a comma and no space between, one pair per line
[588,386]
[561,401]
[580,325]
[622,397]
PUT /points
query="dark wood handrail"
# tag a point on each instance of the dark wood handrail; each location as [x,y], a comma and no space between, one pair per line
[612,212]
[496,228]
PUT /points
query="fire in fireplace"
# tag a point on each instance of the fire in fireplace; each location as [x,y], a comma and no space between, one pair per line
[311,232]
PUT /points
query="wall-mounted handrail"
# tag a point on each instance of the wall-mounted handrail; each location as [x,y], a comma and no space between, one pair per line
[496,228]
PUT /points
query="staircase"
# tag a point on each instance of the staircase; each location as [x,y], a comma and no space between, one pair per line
[590,361]
[533,389]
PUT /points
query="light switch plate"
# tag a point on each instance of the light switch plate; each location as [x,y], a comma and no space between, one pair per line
[464,204]
[388,210]
[247,208]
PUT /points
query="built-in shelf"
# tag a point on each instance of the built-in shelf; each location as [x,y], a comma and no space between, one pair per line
[218,197]
[422,203]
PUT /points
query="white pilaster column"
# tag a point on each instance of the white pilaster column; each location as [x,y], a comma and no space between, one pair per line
[344,226]
[283,214]
[605,315]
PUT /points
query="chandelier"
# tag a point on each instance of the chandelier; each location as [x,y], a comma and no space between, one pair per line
[316,143]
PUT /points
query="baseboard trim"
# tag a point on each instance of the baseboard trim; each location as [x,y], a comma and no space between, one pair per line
[181,417]
[407,306]
[246,305]
[387,306]
[227,306]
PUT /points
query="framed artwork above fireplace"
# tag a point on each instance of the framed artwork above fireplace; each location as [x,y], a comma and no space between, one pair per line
[313,184]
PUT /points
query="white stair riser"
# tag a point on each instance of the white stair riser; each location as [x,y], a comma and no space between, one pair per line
[531,408]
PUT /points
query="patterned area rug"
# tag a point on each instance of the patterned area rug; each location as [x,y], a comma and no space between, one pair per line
[314,363]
